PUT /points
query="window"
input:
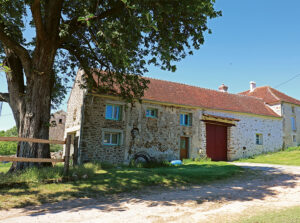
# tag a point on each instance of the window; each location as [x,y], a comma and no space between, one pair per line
[74,114]
[259,139]
[293,109]
[111,138]
[151,113]
[53,123]
[113,112]
[60,121]
[185,119]
[293,120]
[294,138]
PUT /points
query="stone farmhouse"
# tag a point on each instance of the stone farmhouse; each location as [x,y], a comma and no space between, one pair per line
[57,125]
[177,121]
[287,107]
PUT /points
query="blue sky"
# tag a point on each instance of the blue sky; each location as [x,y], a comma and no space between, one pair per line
[254,40]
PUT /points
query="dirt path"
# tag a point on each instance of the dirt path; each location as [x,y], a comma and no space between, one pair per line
[272,186]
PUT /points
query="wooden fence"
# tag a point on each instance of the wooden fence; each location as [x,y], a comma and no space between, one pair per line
[66,158]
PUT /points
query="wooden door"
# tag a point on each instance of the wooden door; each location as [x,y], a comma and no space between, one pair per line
[216,142]
[184,147]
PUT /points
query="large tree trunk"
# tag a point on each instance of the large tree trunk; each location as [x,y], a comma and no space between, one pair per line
[31,108]
[34,120]
[30,100]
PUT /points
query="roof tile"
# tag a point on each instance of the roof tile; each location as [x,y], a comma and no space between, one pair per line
[271,95]
[182,94]
[176,93]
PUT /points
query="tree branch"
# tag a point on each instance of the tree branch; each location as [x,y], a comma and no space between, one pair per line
[37,18]
[4,97]
[17,48]
[74,24]
[52,18]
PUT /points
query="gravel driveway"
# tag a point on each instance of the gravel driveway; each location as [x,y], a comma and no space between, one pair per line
[265,187]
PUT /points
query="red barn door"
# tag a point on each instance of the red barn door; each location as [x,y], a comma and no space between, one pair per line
[216,142]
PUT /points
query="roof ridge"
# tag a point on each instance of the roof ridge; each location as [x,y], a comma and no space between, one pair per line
[253,90]
[188,85]
[284,95]
[272,93]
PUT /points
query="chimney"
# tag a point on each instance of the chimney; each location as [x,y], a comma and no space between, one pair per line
[223,88]
[252,86]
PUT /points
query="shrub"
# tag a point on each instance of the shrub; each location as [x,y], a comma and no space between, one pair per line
[8,148]
[56,147]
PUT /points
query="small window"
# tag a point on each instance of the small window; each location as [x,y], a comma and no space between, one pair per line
[74,114]
[53,123]
[294,138]
[293,120]
[60,121]
[259,139]
[111,138]
[113,112]
[293,109]
[151,113]
[185,119]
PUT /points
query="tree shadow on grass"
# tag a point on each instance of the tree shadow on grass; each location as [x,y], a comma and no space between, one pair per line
[103,189]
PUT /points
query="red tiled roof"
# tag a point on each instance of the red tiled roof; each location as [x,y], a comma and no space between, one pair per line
[181,94]
[175,93]
[271,95]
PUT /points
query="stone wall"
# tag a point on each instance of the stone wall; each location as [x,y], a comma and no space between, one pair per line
[276,108]
[74,107]
[57,125]
[94,123]
[287,124]
[242,137]
[160,137]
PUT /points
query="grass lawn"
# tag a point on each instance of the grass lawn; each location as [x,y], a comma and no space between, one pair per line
[290,156]
[291,215]
[32,187]
[4,167]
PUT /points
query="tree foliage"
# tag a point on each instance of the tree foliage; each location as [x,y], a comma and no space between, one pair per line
[42,42]
[117,36]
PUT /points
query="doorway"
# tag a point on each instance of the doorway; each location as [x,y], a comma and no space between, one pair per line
[216,142]
[184,147]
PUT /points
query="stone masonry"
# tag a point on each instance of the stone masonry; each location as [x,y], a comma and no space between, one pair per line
[160,137]
[57,125]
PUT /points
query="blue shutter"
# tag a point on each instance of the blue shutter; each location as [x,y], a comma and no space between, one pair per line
[109,112]
[181,119]
[120,112]
[187,121]
[293,123]
[116,112]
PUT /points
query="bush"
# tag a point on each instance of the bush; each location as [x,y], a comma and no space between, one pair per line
[9,148]
[56,147]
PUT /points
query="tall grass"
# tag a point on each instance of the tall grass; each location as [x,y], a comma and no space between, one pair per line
[48,174]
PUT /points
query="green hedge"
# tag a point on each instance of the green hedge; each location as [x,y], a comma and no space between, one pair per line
[9,148]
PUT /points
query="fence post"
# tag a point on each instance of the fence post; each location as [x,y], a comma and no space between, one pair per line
[67,156]
[75,153]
